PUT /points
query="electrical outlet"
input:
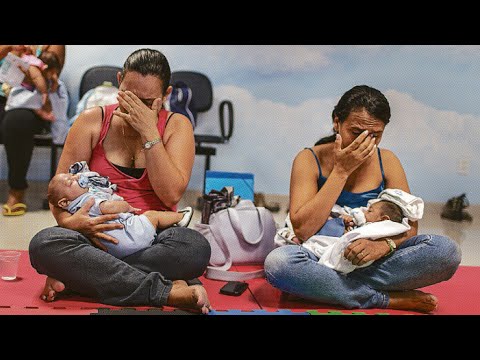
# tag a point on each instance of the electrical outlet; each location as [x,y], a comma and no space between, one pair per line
[463,166]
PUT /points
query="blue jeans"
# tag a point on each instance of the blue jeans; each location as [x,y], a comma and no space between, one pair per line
[420,261]
[140,279]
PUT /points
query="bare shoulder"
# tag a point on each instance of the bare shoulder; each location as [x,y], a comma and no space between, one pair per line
[395,176]
[305,161]
[82,138]
[88,124]
[304,156]
[91,117]
[178,124]
[389,159]
[178,121]
[322,152]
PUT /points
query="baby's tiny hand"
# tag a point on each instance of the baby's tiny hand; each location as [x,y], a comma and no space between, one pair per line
[347,220]
[133,210]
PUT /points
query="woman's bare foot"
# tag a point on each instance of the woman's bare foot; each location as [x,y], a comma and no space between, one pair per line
[15,197]
[51,289]
[414,300]
[193,297]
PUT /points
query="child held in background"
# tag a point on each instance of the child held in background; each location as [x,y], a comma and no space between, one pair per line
[43,75]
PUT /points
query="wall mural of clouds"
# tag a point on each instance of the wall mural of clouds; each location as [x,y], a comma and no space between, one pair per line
[267,136]
[429,142]
[274,59]
[283,97]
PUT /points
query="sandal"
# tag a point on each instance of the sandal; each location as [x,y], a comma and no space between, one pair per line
[15,210]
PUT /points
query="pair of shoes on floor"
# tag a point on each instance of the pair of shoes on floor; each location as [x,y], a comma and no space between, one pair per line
[259,200]
[14,210]
[187,216]
[454,209]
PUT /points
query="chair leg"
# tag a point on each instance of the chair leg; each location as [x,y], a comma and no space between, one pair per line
[45,204]
[53,160]
[207,163]
[207,167]
[53,169]
[199,205]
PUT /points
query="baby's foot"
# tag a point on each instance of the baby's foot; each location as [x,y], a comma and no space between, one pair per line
[187,216]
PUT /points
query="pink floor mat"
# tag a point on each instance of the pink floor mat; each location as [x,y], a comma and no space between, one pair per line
[458,296]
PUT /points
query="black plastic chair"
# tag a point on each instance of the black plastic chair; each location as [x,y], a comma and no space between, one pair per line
[96,75]
[202,99]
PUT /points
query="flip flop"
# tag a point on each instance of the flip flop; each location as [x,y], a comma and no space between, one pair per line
[20,209]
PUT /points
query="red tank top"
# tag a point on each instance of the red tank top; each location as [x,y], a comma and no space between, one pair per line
[137,192]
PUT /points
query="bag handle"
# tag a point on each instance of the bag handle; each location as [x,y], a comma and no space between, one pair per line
[224,275]
[223,247]
[237,227]
[221,272]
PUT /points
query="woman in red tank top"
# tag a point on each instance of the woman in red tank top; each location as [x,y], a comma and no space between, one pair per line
[149,154]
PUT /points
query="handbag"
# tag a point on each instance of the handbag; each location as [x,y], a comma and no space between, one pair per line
[239,235]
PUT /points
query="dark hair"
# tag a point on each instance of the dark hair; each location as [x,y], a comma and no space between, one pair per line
[149,62]
[53,196]
[393,211]
[50,59]
[357,98]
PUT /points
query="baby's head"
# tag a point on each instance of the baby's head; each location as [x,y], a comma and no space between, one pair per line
[384,210]
[53,64]
[63,188]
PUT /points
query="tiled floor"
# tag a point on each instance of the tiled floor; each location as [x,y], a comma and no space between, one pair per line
[16,232]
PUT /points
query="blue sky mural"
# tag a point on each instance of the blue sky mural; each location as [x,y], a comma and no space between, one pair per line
[283,97]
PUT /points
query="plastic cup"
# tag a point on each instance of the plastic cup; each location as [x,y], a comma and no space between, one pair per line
[9,264]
